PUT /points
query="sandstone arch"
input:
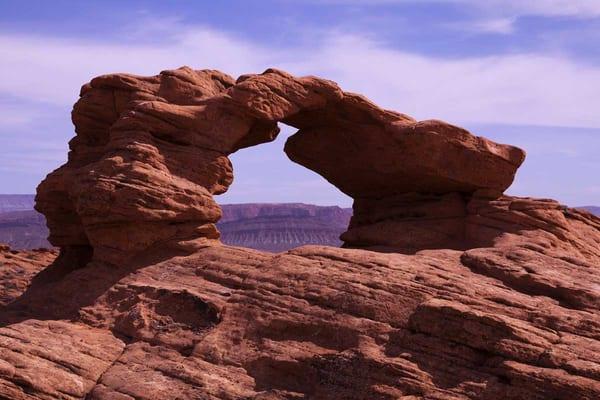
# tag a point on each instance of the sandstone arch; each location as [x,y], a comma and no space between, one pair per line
[150,153]
[516,319]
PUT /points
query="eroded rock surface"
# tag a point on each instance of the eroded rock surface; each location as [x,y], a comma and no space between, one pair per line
[53,359]
[517,320]
[151,151]
[17,268]
[495,297]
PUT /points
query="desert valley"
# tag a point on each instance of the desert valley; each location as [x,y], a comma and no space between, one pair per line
[262,226]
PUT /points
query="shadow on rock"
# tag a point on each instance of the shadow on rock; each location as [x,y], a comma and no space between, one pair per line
[71,283]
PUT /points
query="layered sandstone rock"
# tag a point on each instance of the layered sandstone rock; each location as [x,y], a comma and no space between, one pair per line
[133,178]
[498,299]
[151,151]
[519,320]
[17,268]
[53,359]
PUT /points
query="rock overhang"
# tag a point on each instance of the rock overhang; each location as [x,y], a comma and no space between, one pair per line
[150,153]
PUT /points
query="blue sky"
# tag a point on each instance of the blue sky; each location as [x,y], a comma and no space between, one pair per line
[520,72]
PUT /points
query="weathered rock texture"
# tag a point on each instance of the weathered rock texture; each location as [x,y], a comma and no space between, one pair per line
[271,227]
[148,155]
[499,297]
[17,268]
[53,359]
[519,320]
[151,151]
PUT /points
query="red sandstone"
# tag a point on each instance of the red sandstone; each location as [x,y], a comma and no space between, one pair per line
[469,294]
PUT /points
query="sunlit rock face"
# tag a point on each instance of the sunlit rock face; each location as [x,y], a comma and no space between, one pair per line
[150,153]
[470,294]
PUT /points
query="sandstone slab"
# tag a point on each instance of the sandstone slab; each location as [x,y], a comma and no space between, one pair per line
[53,359]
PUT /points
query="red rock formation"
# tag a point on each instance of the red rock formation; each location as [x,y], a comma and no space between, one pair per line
[500,299]
[53,359]
[17,268]
[134,169]
[517,320]
[151,151]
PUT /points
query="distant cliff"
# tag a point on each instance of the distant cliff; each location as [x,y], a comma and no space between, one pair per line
[593,209]
[279,227]
[263,226]
[269,227]
[23,229]
[16,202]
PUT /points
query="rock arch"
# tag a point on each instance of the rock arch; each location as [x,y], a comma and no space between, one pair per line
[150,153]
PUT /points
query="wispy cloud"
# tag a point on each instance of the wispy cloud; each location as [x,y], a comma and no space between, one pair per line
[571,8]
[52,69]
[42,76]
[503,26]
[520,88]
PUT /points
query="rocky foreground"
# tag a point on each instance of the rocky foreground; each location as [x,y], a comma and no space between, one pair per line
[445,287]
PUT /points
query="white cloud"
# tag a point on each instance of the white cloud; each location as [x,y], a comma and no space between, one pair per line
[502,26]
[517,89]
[571,8]
[53,69]
[530,89]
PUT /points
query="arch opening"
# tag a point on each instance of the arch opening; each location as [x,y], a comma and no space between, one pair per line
[276,205]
